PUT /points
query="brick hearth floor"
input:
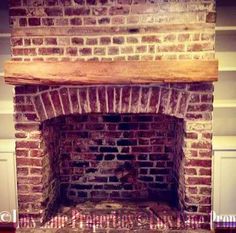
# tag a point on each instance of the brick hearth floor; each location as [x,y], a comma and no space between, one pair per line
[114,217]
[109,231]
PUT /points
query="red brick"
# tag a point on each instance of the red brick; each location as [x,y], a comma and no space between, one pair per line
[135,99]
[207,98]
[90,21]
[65,100]
[191,135]
[99,11]
[27,127]
[171,48]
[36,171]
[211,17]
[32,180]
[102,99]
[204,87]
[198,181]
[192,190]
[51,41]
[51,2]
[118,40]
[164,101]
[194,98]
[23,188]
[30,198]
[14,3]
[83,99]
[201,145]
[35,135]
[104,21]
[27,144]
[200,108]
[205,172]
[56,102]
[34,21]
[55,11]
[125,99]
[71,51]
[174,97]
[37,189]
[77,11]
[17,12]
[198,163]
[28,162]
[182,103]
[91,41]
[205,190]
[77,41]
[183,37]
[110,95]
[145,91]
[119,10]
[68,2]
[205,153]
[21,135]
[76,21]
[194,116]
[26,89]
[190,171]
[154,99]
[169,38]
[151,39]
[35,153]
[51,51]
[22,171]
[93,99]
[74,100]
[113,50]
[205,209]
[141,149]
[85,51]
[23,22]
[22,153]
[117,99]
[105,40]
[16,41]
[48,21]
[48,105]
[99,51]
[37,41]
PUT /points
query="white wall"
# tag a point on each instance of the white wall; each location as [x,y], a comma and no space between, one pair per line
[6,91]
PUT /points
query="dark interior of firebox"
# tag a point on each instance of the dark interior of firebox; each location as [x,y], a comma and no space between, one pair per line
[112,159]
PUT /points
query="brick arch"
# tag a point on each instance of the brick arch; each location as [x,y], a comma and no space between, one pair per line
[161,99]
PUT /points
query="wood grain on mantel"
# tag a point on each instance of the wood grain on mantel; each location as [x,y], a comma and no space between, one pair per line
[113,72]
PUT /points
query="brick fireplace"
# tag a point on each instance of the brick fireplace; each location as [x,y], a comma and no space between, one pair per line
[122,141]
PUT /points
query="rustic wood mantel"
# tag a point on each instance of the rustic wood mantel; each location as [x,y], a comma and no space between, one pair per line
[113,72]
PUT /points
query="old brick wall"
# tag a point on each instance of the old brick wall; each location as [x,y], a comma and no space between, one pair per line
[125,156]
[192,159]
[112,29]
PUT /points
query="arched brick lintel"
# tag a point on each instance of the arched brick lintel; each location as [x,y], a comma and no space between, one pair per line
[111,99]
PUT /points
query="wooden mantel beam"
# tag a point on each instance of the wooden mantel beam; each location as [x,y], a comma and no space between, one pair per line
[114,72]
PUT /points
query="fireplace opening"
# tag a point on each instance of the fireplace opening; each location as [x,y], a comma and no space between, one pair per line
[116,158]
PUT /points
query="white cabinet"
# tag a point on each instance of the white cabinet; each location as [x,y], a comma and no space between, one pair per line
[225,94]
[224,177]
[8,197]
